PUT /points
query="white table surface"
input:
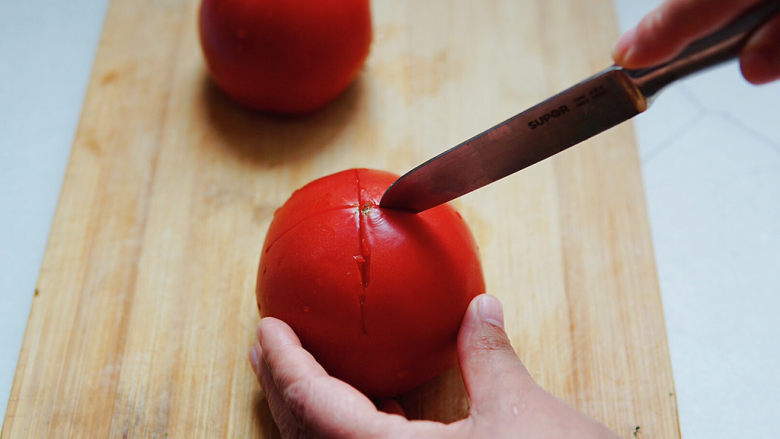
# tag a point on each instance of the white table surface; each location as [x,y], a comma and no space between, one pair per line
[710,150]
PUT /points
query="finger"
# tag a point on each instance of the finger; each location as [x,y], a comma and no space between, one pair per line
[285,421]
[501,388]
[664,32]
[495,379]
[319,402]
[760,58]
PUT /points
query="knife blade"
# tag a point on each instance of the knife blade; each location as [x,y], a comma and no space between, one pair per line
[545,129]
[588,108]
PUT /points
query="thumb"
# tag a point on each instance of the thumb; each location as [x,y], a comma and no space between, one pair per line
[495,378]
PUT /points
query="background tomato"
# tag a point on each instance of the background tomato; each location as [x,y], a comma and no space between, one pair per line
[284,56]
[376,295]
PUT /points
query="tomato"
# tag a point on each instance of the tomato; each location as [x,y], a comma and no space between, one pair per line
[376,295]
[284,56]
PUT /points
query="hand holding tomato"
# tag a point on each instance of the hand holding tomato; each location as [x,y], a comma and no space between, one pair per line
[378,299]
[284,56]
[505,402]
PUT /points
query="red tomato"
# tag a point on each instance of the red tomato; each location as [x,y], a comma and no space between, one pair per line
[284,56]
[376,295]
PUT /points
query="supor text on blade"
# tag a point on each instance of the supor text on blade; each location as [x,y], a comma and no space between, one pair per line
[541,120]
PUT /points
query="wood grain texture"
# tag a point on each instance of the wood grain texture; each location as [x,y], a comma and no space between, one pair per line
[146,301]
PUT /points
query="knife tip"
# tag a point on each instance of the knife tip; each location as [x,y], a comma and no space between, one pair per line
[393,203]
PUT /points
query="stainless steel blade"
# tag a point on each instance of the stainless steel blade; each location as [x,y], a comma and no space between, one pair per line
[568,118]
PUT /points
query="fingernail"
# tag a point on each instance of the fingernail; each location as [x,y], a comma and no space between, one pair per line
[254,357]
[259,331]
[623,49]
[489,310]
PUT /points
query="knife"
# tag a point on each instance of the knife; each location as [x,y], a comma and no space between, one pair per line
[594,105]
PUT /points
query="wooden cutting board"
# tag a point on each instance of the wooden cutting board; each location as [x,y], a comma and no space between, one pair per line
[145,305]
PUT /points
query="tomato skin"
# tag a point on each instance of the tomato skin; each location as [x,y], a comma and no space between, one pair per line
[284,56]
[376,295]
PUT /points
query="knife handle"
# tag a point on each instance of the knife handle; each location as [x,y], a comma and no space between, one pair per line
[711,50]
